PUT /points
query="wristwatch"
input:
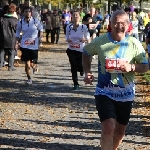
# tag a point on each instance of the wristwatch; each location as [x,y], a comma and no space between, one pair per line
[132,67]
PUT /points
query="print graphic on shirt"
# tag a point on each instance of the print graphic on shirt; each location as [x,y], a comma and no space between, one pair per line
[114,51]
[117,86]
[113,66]
[117,93]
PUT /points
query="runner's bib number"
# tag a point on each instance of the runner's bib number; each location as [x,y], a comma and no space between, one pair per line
[112,64]
[92,26]
[75,45]
[29,42]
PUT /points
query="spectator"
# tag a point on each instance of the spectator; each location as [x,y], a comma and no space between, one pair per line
[142,14]
[8,25]
[48,25]
[146,19]
[141,28]
[148,46]
[131,8]
[135,24]
[55,19]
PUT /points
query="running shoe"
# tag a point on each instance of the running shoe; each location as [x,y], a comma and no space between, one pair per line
[17,58]
[76,87]
[29,82]
[35,70]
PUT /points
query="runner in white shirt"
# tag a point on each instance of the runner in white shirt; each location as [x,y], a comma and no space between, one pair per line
[76,36]
[30,28]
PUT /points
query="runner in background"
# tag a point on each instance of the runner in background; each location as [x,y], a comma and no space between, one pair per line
[100,18]
[76,36]
[92,21]
[29,41]
[106,20]
[82,14]
[66,19]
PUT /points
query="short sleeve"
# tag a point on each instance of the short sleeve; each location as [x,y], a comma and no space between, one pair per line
[40,26]
[85,18]
[90,49]
[86,32]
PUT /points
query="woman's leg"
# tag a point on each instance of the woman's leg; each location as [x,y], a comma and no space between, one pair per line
[73,62]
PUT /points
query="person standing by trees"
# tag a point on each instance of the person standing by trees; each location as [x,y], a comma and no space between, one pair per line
[55,22]
[8,24]
[48,26]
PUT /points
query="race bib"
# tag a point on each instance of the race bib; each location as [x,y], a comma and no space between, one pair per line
[75,45]
[112,65]
[29,42]
[92,26]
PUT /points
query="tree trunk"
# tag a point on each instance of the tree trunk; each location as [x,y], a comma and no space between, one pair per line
[83,1]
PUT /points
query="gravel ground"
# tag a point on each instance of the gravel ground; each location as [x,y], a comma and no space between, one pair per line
[50,116]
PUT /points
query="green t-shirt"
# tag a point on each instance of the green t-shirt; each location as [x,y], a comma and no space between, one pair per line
[117,86]
[82,14]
